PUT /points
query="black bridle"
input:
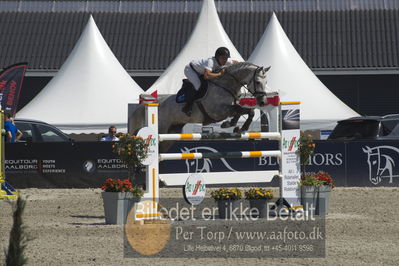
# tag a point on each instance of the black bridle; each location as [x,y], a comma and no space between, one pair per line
[256,93]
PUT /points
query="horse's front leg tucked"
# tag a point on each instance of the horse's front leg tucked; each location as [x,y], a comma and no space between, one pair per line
[251,114]
[231,123]
[235,113]
[238,111]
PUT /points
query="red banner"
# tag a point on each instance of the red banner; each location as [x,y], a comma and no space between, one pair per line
[10,86]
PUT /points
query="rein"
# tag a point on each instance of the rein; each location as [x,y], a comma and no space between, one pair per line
[255,93]
[227,90]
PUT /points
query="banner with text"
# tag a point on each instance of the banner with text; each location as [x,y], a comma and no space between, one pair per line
[10,86]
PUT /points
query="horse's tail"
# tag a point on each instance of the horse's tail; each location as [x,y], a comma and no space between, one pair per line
[137,120]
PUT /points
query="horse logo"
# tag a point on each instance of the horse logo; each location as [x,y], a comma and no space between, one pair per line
[381,164]
[202,165]
[89,166]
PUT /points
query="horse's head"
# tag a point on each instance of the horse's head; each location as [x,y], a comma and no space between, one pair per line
[257,86]
[251,76]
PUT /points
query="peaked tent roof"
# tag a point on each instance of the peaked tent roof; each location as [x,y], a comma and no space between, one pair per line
[320,108]
[89,93]
[206,37]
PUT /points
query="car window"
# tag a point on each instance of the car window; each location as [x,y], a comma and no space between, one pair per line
[27,131]
[355,129]
[48,134]
[388,126]
[395,131]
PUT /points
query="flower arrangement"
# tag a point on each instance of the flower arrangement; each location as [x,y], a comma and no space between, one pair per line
[119,185]
[227,194]
[325,179]
[258,193]
[131,150]
[319,179]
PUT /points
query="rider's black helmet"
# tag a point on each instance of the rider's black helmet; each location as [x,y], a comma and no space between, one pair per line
[222,51]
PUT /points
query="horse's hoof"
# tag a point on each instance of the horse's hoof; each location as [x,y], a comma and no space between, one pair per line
[225,124]
[237,130]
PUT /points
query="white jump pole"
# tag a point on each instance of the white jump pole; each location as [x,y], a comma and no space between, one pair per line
[225,136]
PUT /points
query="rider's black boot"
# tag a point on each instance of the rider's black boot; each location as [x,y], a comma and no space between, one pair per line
[188,108]
[190,97]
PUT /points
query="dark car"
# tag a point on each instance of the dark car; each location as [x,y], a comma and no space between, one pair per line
[39,131]
[367,127]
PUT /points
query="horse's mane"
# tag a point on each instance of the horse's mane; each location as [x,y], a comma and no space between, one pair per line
[240,65]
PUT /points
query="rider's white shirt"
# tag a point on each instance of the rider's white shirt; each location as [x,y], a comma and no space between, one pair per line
[209,63]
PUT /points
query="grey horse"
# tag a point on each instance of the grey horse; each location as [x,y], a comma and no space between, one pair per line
[218,104]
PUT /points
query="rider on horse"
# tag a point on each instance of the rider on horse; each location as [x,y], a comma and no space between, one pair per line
[204,69]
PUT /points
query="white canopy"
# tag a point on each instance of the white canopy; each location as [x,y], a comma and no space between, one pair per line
[90,92]
[320,108]
[206,37]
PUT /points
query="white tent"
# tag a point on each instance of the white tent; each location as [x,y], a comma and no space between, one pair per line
[320,108]
[90,92]
[206,37]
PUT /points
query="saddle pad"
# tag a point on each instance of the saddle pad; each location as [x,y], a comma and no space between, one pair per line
[181,96]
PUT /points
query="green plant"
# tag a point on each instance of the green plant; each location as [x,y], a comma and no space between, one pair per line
[306,148]
[259,193]
[118,185]
[131,150]
[227,194]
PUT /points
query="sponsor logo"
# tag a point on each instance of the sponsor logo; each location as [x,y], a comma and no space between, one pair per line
[89,166]
[194,189]
[150,141]
[380,160]
[290,144]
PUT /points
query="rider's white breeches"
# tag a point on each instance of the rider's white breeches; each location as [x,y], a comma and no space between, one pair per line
[192,77]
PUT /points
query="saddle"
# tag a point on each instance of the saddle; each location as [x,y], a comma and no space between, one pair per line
[188,91]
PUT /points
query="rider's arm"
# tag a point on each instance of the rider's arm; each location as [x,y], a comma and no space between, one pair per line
[209,75]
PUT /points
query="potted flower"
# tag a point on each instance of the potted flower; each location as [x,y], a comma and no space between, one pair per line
[119,196]
[309,191]
[258,198]
[315,191]
[324,192]
[227,200]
